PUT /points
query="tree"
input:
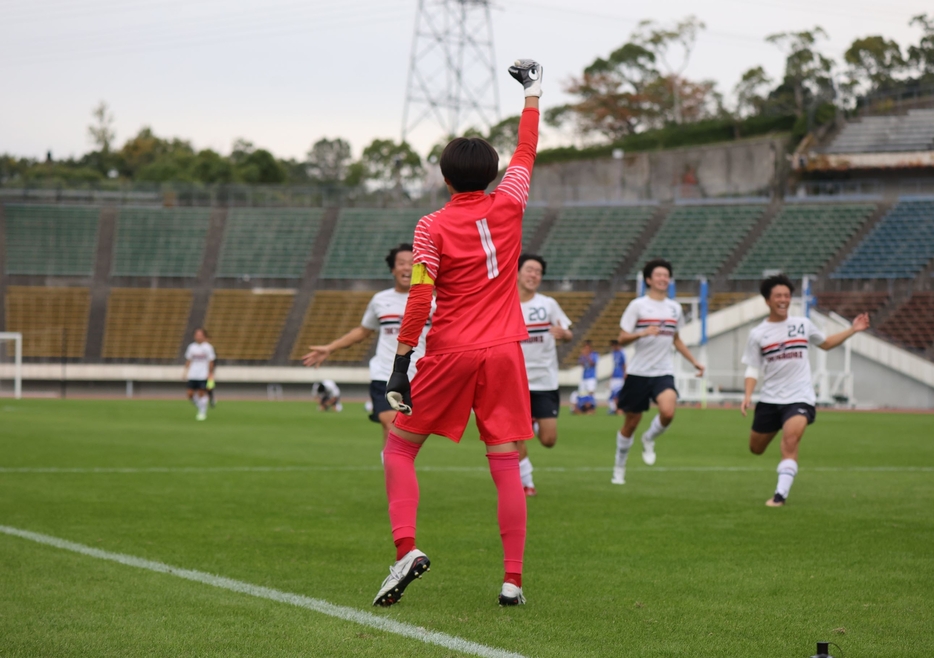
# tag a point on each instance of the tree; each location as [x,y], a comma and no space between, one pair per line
[751,92]
[921,56]
[662,42]
[101,131]
[388,162]
[259,167]
[873,64]
[807,72]
[505,135]
[327,160]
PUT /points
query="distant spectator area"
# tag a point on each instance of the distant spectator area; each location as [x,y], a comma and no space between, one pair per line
[912,324]
[160,241]
[913,131]
[898,247]
[699,239]
[268,242]
[849,304]
[803,238]
[146,323]
[591,242]
[53,321]
[362,239]
[50,240]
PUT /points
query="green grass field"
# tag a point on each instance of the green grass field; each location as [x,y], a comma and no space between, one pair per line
[684,560]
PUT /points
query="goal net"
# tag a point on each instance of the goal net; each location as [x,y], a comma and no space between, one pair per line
[11,364]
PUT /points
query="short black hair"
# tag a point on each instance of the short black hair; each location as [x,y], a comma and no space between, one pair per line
[391,258]
[776,280]
[524,258]
[652,264]
[614,343]
[469,164]
[588,343]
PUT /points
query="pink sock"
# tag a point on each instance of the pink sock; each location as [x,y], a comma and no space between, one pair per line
[401,486]
[504,467]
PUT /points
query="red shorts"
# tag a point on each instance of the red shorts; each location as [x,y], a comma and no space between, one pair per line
[491,381]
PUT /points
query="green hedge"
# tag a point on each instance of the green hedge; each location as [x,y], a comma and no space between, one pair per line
[691,134]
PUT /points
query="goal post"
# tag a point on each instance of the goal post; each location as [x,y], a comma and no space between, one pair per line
[12,370]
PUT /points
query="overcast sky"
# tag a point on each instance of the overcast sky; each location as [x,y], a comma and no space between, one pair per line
[284,73]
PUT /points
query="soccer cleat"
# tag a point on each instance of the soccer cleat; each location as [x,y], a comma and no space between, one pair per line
[530,492]
[201,416]
[511,595]
[648,452]
[619,475]
[412,565]
[777,500]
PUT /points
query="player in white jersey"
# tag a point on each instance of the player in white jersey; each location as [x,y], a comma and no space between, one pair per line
[546,324]
[652,322]
[199,369]
[329,396]
[384,315]
[777,351]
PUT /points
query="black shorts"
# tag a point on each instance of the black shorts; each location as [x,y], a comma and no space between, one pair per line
[378,398]
[545,404]
[772,417]
[197,384]
[638,392]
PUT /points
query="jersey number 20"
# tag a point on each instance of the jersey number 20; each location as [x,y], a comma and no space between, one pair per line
[492,266]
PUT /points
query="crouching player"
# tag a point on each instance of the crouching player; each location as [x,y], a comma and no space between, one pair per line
[777,350]
[468,253]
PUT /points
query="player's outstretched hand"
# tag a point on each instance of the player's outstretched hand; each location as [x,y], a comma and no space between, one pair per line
[701,369]
[529,73]
[861,322]
[398,391]
[316,356]
[745,406]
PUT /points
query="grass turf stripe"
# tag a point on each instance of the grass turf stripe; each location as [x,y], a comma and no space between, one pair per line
[317,605]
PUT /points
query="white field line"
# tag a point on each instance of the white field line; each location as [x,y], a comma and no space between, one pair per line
[317,605]
[459,469]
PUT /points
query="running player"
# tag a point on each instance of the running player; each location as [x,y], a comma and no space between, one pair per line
[199,368]
[383,314]
[618,378]
[777,350]
[546,324]
[651,322]
[469,253]
[588,360]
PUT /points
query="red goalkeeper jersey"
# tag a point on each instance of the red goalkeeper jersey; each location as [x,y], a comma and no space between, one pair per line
[471,249]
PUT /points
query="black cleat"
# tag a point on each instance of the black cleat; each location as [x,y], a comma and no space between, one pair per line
[413,565]
[777,500]
[511,595]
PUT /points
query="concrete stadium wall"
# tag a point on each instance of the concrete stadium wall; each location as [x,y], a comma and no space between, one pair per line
[742,168]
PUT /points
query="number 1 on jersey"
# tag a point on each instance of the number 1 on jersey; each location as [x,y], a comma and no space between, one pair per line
[492,266]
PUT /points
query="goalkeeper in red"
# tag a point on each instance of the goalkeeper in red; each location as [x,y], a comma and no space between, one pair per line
[467,253]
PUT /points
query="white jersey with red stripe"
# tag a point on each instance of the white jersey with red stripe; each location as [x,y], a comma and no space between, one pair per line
[779,350]
[384,315]
[652,356]
[541,313]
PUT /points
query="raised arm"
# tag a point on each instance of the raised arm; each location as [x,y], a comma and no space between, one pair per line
[861,323]
[317,354]
[518,175]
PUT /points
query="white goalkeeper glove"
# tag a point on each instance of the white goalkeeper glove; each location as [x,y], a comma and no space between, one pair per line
[529,73]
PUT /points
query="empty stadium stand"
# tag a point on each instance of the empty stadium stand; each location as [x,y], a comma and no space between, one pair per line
[898,247]
[698,239]
[362,239]
[802,239]
[268,242]
[160,241]
[912,324]
[913,131]
[589,243]
[604,329]
[146,323]
[530,222]
[331,314]
[574,304]
[51,240]
[720,300]
[244,325]
[850,304]
[53,321]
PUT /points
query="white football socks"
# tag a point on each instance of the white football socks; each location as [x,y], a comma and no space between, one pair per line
[787,470]
[525,472]
[623,444]
[656,429]
[202,404]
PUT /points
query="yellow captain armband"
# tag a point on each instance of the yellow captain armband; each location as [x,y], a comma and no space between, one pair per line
[420,275]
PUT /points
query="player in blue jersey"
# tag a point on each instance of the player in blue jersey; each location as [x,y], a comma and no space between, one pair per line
[618,378]
[588,361]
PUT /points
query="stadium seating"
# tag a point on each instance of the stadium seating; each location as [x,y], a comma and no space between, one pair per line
[913,131]
[244,325]
[51,240]
[146,323]
[912,324]
[53,321]
[574,304]
[698,239]
[898,247]
[160,241]
[721,300]
[268,242]
[802,238]
[590,242]
[530,222]
[604,329]
[362,239]
[851,304]
[331,314]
